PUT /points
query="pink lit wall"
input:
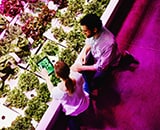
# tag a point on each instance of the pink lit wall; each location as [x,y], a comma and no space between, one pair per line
[131,23]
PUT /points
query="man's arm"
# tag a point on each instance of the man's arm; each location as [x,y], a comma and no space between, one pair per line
[84,53]
[80,67]
[108,56]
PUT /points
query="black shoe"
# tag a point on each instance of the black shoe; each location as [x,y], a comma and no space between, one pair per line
[127,59]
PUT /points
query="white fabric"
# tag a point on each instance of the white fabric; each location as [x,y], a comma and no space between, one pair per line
[104,49]
[75,104]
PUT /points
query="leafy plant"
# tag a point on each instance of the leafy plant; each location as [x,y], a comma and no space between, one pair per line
[28,81]
[20,45]
[3,23]
[37,25]
[4,46]
[68,55]
[36,6]
[24,16]
[50,48]
[68,17]
[15,41]
[36,108]
[76,6]
[4,89]
[6,60]
[8,67]
[75,39]
[34,28]
[37,42]
[21,123]
[43,93]
[59,33]
[40,111]
[11,7]
[9,41]
[12,32]
[95,6]
[16,98]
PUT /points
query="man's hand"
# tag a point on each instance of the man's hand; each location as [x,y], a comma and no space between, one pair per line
[83,59]
[76,67]
[85,51]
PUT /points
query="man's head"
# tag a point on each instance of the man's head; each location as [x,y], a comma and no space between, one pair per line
[91,24]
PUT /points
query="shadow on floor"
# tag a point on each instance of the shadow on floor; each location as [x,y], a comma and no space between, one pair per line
[103,101]
[106,97]
[127,62]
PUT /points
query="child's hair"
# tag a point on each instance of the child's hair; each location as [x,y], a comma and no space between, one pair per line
[91,21]
[62,70]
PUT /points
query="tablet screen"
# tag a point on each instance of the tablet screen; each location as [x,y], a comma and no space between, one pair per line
[47,64]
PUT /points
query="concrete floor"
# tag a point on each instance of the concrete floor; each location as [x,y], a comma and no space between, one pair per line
[130,99]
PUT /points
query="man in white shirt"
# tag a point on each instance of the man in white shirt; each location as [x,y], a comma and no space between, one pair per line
[99,53]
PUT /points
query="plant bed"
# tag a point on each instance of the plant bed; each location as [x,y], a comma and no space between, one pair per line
[25,36]
[7,116]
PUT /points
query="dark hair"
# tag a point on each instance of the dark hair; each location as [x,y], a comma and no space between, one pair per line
[91,21]
[62,70]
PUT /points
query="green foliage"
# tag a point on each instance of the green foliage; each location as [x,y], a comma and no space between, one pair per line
[20,46]
[40,111]
[59,33]
[75,39]
[50,48]
[37,42]
[36,108]
[5,61]
[4,46]
[43,93]
[21,123]
[36,7]
[4,89]
[8,67]
[28,81]
[68,55]
[16,98]
[95,6]
[3,23]
[12,32]
[75,6]
[16,40]
[68,17]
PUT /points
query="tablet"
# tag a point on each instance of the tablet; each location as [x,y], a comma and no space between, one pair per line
[47,64]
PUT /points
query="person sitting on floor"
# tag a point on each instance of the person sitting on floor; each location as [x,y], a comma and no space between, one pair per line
[99,54]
